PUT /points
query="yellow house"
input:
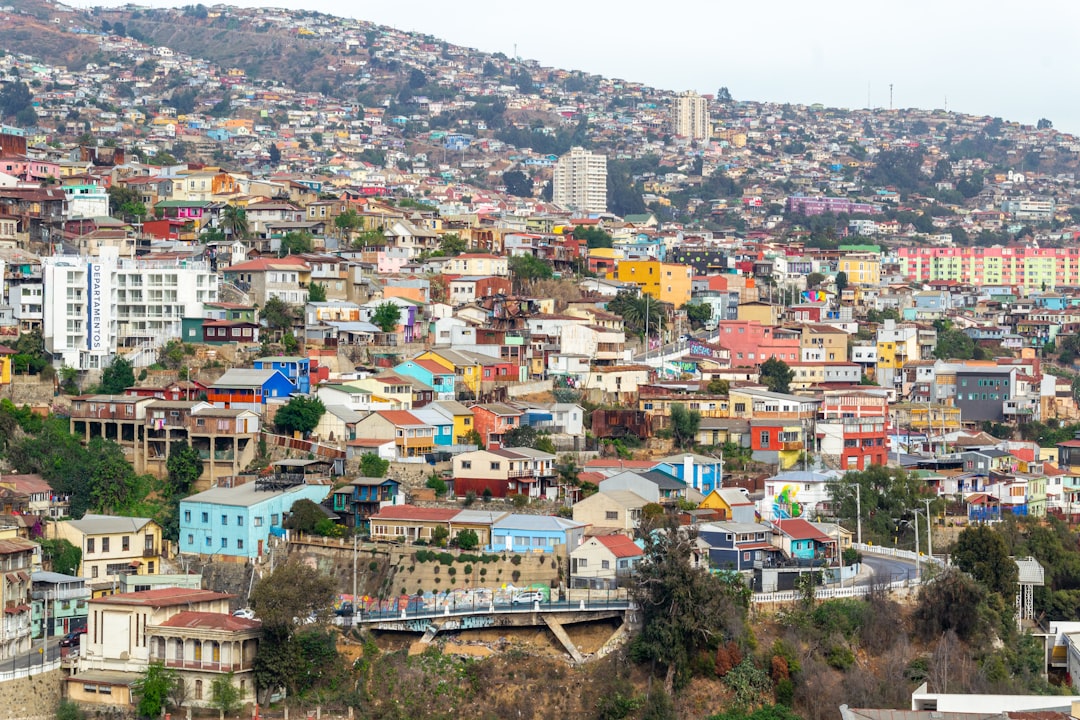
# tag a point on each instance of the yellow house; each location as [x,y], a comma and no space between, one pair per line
[861,268]
[732,502]
[763,312]
[467,366]
[667,282]
[5,365]
[114,546]
[461,415]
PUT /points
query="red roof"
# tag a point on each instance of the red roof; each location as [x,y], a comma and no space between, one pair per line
[412,512]
[433,367]
[621,464]
[799,529]
[4,350]
[619,545]
[211,621]
[400,417]
[163,597]
[269,263]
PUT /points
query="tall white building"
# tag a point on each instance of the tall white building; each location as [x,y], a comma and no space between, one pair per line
[580,181]
[690,116]
[94,305]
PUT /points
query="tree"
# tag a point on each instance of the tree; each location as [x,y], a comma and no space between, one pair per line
[684,425]
[719,386]
[317,138]
[776,375]
[304,515]
[184,467]
[234,221]
[528,268]
[452,245]
[295,243]
[116,377]
[348,221]
[417,79]
[814,279]
[634,309]
[273,154]
[277,314]
[14,98]
[224,695]
[697,313]
[953,344]
[283,599]
[521,436]
[982,552]
[300,415]
[373,466]
[386,317]
[467,540]
[1044,124]
[841,281]
[951,601]
[64,555]
[316,292]
[684,609]
[518,183]
[594,237]
[153,689]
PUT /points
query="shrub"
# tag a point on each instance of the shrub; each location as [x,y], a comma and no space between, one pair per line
[785,692]
[470,498]
[452,571]
[483,572]
[840,657]
[516,575]
[468,570]
[520,501]
[516,560]
[373,566]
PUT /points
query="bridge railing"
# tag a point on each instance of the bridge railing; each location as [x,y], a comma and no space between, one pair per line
[896,553]
[416,612]
[829,593]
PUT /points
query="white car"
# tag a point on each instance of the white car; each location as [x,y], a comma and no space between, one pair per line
[527,598]
[246,613]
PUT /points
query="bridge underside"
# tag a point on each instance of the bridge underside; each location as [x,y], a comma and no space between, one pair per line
[429,628]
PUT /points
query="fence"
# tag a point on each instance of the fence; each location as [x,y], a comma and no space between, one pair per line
[322,451]
[34,668]
[786,596]
[896,553]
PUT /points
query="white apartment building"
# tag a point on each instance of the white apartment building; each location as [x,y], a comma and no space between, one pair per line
[580,181]
[93,306]
[690,116]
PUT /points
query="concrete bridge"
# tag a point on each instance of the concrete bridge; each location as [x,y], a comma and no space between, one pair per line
[429,622]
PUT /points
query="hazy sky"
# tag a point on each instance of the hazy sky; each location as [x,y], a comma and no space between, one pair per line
[1014,60]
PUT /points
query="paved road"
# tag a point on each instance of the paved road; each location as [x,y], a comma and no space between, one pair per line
[888,569]
[34,657]
[674,347]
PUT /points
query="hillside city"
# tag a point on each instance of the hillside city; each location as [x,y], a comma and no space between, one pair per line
[434,383]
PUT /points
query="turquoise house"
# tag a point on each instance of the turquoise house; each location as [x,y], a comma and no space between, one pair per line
[535,533]
[439,378]
[57,604]
[238,521]
[444,426]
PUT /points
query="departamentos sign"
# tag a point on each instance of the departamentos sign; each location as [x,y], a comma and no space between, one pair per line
[94,319]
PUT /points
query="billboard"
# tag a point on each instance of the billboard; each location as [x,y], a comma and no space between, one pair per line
[95,329]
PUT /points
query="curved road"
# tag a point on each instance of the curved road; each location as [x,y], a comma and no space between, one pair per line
[888,569]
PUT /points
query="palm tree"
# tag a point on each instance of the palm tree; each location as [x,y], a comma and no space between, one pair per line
[635,311]
[234,221]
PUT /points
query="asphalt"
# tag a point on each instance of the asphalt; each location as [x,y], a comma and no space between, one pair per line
[34,657]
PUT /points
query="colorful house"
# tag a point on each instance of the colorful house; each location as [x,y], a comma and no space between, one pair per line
[603,562]
[249,389]
[702,473]
[733,502]
[439,377]
[296,369]
[5,365]
[363,497]
[413,438]
[535,533]
[802,541]
[461,416]
[493,420]
[737,545]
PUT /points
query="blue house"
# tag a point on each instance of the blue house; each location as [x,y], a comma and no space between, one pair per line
[237,521]
[535,533]
[360,499]
[297,369]
[444,426]
[702,473]
[803,542]
[737,545]
[431,373]
[247,389]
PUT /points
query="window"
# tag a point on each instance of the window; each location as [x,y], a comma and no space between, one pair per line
[274,519]
[187,516]
[125,543]
[611,515]
[224,543]
[94,572]
[104,544]
[746,556]
[258,521]
[605,564]
[209,541]
[90,545]
[496,465]
[224,519]
[466,464]
[205,517]
[240,520]
[582,562]
[239,544]
[198,690]
[740,407]
[190,539]
[764,438]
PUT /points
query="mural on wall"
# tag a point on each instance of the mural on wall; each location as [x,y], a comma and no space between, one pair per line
[784,505]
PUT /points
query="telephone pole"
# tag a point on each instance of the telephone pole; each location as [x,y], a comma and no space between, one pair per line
[929,529]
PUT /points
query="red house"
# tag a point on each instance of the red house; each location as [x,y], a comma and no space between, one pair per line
[493,420]
[752,343]
[854,425]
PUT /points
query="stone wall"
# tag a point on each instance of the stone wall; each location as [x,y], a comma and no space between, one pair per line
[31,698]
[29,390]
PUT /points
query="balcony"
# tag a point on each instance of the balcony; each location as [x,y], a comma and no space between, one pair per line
[82,593]
[515,474]
[207,665]
[791,445]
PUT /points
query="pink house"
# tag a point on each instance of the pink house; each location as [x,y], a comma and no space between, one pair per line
[752,343]
[29,169]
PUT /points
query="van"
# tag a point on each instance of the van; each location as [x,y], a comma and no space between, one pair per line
[526,597]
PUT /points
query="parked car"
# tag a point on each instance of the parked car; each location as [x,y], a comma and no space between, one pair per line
[346,609]
[71,640]
[246,613]
[527,597]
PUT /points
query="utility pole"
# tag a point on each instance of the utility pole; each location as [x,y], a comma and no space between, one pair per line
[929,529]
[858,513]
[354,605]
[918,565]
